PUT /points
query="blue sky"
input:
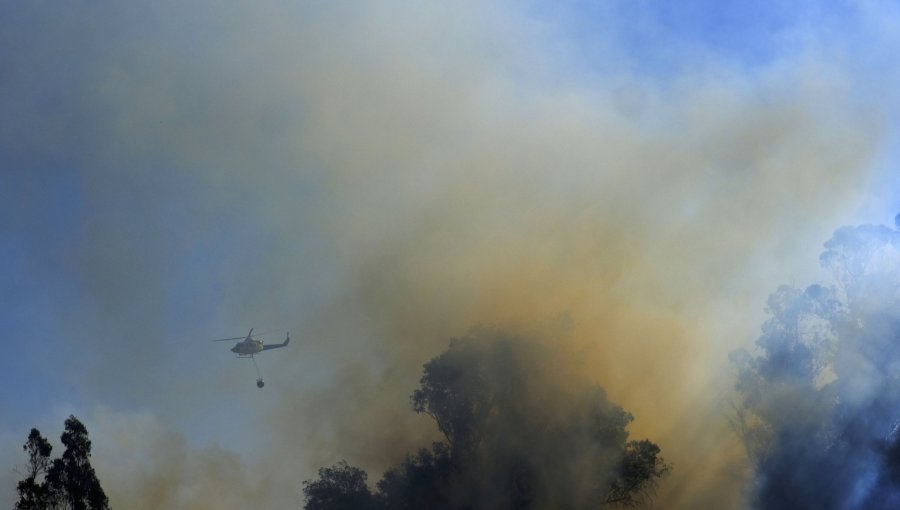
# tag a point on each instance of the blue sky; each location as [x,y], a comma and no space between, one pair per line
[379,177]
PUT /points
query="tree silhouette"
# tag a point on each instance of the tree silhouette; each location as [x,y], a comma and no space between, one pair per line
[421,481]
[640,468]
[518,436]
[33,495]
[69,482]
[341,487]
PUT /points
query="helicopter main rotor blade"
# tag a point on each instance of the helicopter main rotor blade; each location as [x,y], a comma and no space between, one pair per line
[254,335]
[265,333]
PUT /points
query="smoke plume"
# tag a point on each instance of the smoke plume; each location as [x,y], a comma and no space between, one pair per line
[378,178]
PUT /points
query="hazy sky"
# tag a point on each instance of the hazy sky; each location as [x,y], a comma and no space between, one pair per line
[627,180]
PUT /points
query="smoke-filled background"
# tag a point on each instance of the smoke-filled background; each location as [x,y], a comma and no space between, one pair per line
[625,181]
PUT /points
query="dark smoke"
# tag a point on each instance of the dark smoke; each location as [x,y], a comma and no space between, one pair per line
[518,435]
[820,408]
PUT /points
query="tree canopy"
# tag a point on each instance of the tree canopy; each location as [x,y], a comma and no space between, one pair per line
[68,482]
[32,494]
[516,436]
[341,487]
[820,395]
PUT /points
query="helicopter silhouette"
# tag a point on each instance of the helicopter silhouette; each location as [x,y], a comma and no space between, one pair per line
[249,346]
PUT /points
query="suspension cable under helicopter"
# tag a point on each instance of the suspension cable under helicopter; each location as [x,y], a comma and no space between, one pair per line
[259,379]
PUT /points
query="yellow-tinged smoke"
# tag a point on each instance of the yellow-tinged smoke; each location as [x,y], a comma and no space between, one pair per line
[641,245]
[464,174]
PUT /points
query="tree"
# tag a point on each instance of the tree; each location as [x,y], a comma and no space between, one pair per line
[639,471]
[340,487]
[33,495]
[533,440]
[819,406]
[69,482]
[420,481]
[518,436]
[71,478]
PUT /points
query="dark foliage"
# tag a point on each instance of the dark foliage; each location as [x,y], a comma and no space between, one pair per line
[69,482]
[32,494]
[518,436]
[420,481]
[341,487]
[641,467]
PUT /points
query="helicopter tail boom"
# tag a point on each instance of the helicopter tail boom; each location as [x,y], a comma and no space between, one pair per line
[287,340]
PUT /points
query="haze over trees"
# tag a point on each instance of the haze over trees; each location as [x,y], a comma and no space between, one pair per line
[516,436]
[65,483]
[820,397]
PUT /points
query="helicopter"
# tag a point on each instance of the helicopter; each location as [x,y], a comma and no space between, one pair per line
[249,346]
